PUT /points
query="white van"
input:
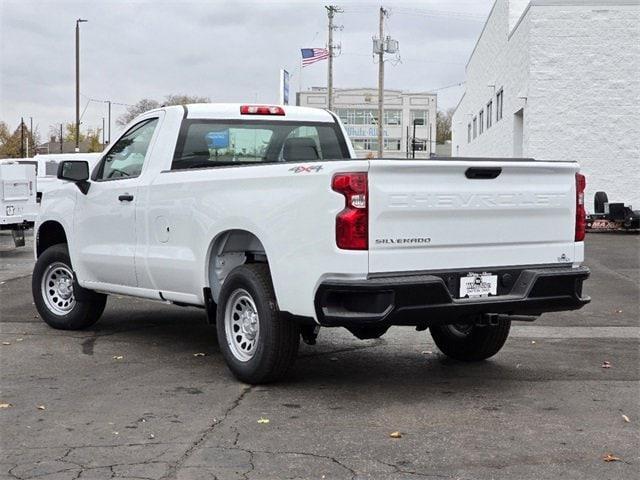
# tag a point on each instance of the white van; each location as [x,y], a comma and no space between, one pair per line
[18,207]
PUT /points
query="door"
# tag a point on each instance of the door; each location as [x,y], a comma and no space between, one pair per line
[104,221]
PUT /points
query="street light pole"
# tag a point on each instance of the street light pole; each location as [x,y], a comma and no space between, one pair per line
[78,22]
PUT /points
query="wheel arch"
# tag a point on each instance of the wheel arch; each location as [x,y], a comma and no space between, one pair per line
[229,249]
[49,233]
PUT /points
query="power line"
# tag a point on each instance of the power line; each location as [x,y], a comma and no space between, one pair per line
[97,100]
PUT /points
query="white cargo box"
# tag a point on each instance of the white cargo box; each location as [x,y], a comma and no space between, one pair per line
[18,207]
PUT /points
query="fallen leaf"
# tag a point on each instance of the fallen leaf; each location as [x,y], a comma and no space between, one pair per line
[618,311]
[19,339]
[606,364]
[625,418]
[395,435]
[263,420]
[115,433]
[152,436]
[199,354]
[6,343]
[118,357]
[427,352]
[610,457]
[41,407]
[5,405]
[533,342]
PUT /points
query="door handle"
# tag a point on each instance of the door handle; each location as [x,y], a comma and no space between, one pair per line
[125,197]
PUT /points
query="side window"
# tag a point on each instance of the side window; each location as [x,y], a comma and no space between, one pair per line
[126,157]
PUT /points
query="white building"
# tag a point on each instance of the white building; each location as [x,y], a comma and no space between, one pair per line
[358,110]
[557,80]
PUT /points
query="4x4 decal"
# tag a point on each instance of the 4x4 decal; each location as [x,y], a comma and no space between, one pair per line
[306,168]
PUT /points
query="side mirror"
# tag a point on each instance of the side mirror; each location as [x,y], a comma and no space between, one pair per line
[76,171]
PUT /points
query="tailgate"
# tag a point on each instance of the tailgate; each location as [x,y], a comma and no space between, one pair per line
[450,214]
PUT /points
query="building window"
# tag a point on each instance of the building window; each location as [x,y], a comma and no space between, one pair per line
[392,144]
[489,113]
[358,116]
[393,117]
[469,133]
[475,127]
[499,102]
[481,121]
[420,115]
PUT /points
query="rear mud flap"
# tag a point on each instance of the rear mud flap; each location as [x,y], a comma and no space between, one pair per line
[18,237]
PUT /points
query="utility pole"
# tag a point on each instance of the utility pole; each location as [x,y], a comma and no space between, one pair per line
[78,22]
[33,144]
[21,137]
[103,133]
[61,139]
[381,50]
[331,11]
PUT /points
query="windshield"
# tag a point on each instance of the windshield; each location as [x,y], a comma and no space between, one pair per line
[208,143]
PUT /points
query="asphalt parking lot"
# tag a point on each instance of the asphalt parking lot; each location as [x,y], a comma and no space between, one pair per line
[134,398]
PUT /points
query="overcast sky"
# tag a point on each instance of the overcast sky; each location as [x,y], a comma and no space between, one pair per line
[230,51]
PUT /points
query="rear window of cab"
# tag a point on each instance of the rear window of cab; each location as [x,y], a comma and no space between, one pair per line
[213,143]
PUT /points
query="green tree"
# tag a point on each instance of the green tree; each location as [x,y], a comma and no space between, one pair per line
[10,143]
[147,104]
[70,133]
[93,135]
[443,125]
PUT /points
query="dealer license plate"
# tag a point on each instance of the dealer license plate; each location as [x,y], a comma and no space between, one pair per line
[478,285]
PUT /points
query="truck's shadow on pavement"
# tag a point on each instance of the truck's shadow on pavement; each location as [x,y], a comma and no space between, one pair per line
[338,358]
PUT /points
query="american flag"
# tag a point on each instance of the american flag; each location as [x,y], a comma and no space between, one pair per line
[313,55]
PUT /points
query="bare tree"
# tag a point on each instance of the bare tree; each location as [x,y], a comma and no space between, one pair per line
[443,125]
[147,104]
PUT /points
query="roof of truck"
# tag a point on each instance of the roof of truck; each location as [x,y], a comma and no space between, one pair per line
[231,111]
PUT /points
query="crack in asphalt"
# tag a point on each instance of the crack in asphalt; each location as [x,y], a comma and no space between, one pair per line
[174,467]
[398,469]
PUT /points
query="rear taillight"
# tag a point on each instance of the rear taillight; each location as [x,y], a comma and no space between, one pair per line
[581,214]
[352,223]
[261,110]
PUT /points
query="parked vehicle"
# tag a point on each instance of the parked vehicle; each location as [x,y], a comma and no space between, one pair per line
[610,217]
[18,209]
[263,216]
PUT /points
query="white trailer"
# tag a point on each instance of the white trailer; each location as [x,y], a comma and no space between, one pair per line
[18,206]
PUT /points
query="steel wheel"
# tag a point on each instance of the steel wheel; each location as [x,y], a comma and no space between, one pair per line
[242,325]
[57,288]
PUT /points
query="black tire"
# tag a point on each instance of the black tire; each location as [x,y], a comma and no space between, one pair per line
[83,313]
[278,339]
[470,343]
[599,199]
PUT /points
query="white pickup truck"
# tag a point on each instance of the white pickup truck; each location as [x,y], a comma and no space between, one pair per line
[263,216]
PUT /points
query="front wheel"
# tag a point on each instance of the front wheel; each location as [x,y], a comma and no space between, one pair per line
[53,295]
[470,343]
[258,344]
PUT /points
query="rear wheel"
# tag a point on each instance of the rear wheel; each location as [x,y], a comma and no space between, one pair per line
[470,343]
[258,344]
[54,296]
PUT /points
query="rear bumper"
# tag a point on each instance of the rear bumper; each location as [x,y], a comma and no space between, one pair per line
[424,300]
